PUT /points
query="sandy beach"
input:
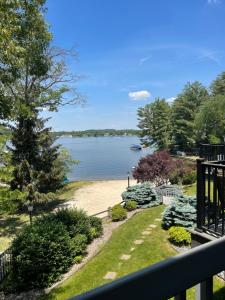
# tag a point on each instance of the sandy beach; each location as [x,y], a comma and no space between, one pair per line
[99,195]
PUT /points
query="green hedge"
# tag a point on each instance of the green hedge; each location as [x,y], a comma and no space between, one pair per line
[44,251]
[131,205]
[144,194]
[118,213]
[40,254]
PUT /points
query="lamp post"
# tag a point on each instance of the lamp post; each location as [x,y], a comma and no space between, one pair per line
[128,179]
[30,208]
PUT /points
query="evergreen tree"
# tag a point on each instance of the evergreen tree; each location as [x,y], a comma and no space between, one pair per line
[210,120]
[39,81]
[218,85]
[155,125]
[184,110]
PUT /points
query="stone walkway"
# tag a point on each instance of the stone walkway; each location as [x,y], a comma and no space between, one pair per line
[111,275]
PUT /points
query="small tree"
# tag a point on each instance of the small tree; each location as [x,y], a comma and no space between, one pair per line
[156,168]
[144,194]
[181,212]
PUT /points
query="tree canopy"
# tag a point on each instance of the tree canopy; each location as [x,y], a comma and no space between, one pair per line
[155,124]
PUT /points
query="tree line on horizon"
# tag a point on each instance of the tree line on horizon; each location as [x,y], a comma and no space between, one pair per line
[97,132]
[196,115]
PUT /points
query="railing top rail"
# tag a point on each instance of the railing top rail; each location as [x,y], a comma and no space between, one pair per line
[216,164]
[166,278]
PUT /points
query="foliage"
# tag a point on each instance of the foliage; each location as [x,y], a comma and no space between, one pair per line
[75,221]
[210,120]
[181,212]
[41,254]
[218,86]
[143,194]
[79,244]
[118,213]
[46,249]
[184,172]
[39,80]
[184,109]
[155,167]
[131,205]
[179,235]
[11,201]
[96,224]
[189,177]
[155,124]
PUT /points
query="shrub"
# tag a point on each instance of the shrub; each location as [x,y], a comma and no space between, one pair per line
[76,222]
[118,213]
[155,167]
[41,253]
[96,224]
[189,178]
[131,205]
[181,212]
[144,194]
[179,236]
[79,243]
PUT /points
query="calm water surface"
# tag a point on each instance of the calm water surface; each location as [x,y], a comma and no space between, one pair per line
[102,157]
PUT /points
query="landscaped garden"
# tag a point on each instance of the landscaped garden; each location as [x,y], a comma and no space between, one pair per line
[155,247]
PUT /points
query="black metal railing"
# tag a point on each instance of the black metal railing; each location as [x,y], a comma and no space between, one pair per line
[169,278]
[212,152]
[211,197]
[5,263]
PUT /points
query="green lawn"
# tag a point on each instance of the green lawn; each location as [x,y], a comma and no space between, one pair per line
[190,190]
[155,248]
[11,224]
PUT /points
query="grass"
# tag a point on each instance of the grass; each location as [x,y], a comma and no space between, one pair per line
[10,225]
[155,248]
[190,190]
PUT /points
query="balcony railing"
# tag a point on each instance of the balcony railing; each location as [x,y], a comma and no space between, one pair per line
[169,278]
[212,152]
[211,197]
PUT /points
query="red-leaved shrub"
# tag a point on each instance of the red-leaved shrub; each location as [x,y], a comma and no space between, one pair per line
[156,167]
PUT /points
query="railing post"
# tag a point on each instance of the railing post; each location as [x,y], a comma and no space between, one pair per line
[181,296]
[204,290]
[200,193]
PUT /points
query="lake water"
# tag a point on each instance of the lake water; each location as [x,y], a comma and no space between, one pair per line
[102,157]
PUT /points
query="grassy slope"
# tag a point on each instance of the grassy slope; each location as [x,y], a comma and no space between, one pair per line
[154,249]
[11,224]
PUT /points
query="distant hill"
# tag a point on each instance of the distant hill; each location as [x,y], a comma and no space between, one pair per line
[97,132]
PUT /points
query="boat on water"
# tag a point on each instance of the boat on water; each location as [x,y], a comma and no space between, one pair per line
[135,147]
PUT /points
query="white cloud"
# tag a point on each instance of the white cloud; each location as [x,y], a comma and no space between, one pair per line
[139,95]
[143,60]
[170,100]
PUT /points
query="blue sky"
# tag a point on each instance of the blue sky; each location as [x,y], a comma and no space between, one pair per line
[131,51]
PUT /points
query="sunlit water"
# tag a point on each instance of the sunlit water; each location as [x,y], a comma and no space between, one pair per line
[102,157]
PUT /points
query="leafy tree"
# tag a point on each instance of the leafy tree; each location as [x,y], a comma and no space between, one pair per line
[156,168]
[39,81]
[210,120]
[184,110]
[218,85]
[155,125]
